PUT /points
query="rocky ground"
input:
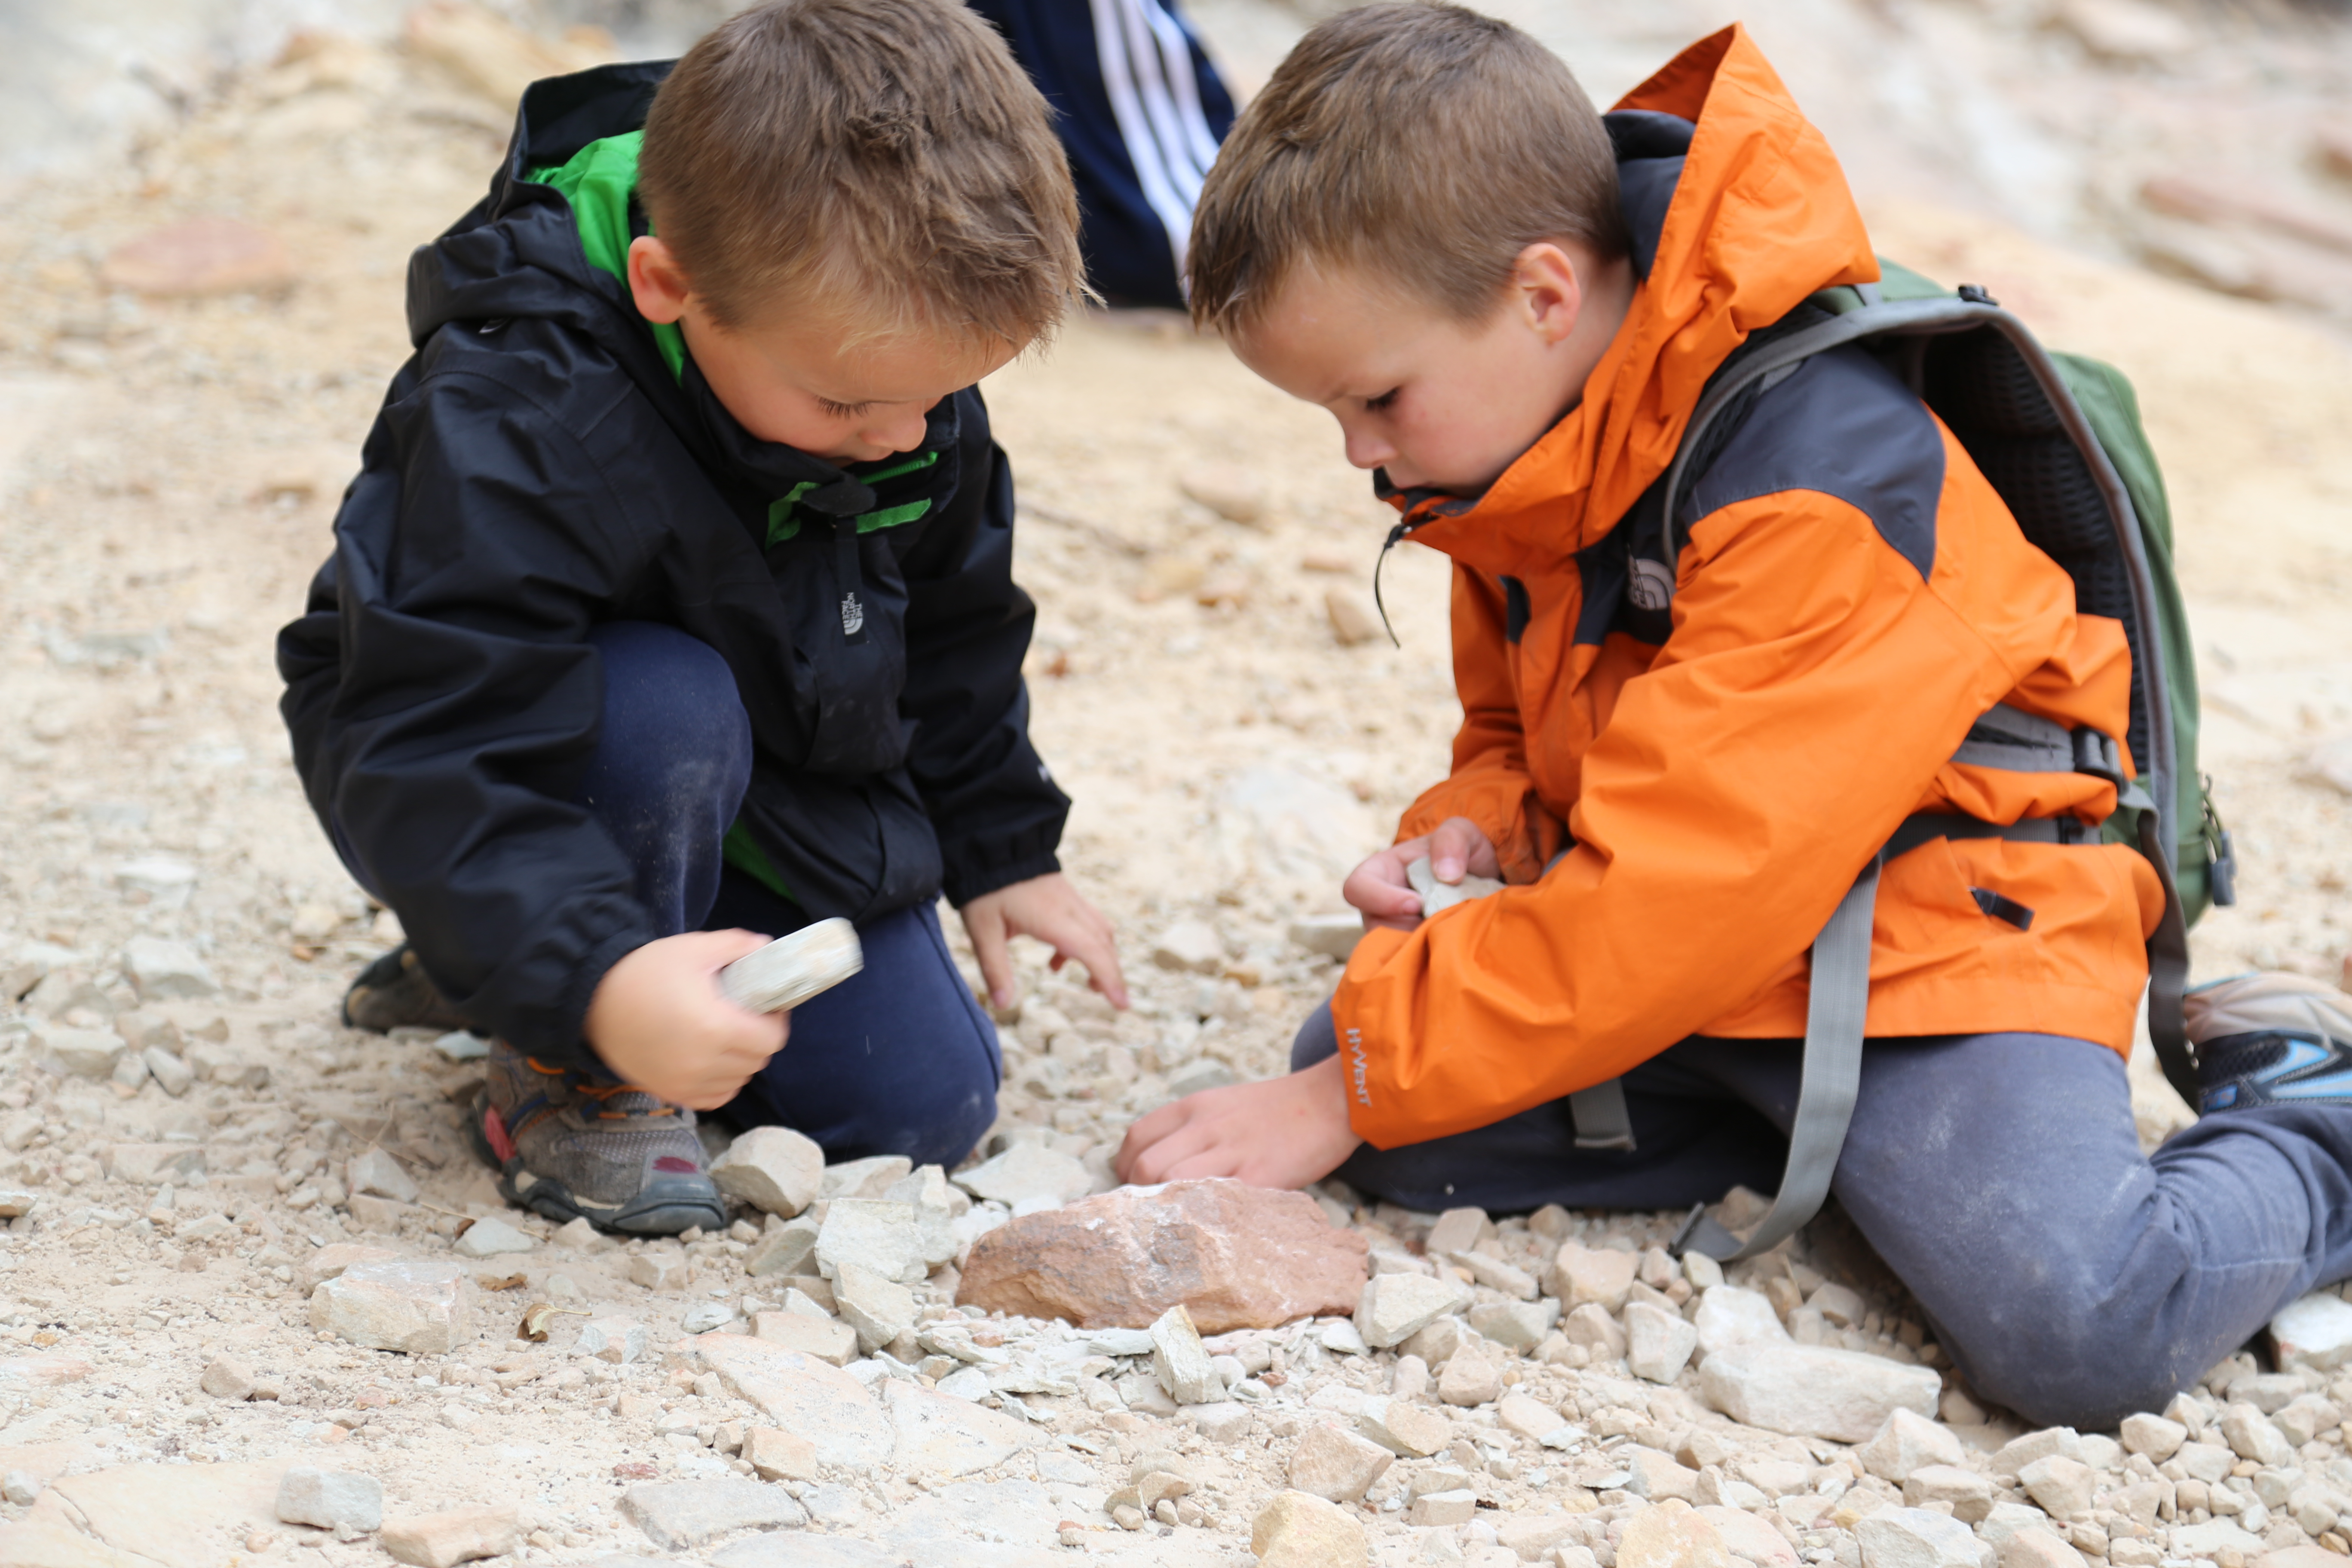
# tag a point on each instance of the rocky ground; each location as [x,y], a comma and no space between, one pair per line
[208,1173]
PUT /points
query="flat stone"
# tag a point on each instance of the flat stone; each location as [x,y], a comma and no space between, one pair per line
[228,1378]
[942,1434]
[775,1168]
[1442,1510]
[613,1338]
[1916,1538]
[834,1343]
[2215,1536]
[155,1512]
[1333,936]
[457,1535]
[880,1309]
[2314,1331]
[2267,1392]
[1190,947]
[1810,1391]
[1436,896]
[791,968]
[332,1499]
[77,1053]
[678,1516]
[1907,1441]
[1530,1418]
[788,1248]
[153,1164]
[776,1455]
[1968,1494]
[866,1178]
[702,1318]
[661,1266]
[1235,1257]
[1470,1377]
[1656,1476]
[2013,1455]
[1666,1537]
[41,1545]
[1521,1326]
[2206,1462]
[1336,1464]
[2039,1546]
[1181,1362]
[377,1174]
[1579,1274]
[418,1306]
[2061,1487]
[1658,1343]
[874,1233]
[202,254]
[1410,1430]
[1748,1537]
[1728,1315]
[1392,1308]
[1533,1539]
[490,1237]
[776,1549]
[1497,1275]
[1456,1231]
[160,968]
[1026,1172]
[1296,1530]
[803,1395]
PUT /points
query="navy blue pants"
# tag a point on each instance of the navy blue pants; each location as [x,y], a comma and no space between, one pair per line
[2072,1278]
[896,1060]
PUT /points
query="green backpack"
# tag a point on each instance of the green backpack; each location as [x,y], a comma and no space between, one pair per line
[2059,437]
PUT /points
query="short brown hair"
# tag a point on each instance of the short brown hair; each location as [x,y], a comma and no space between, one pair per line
[1422,141]
[885,155]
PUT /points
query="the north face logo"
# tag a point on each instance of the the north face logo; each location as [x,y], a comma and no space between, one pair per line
[853,616]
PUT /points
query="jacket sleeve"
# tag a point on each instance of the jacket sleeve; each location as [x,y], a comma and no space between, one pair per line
[1811,684]
[1490,783]
[991,798]
[444,704]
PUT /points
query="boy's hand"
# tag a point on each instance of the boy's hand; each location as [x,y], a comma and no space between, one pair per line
[659,1020]
[1282,1132]
[1378,887]
[1050,910]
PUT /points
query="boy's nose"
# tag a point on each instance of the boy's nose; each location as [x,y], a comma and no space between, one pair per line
[1365,450]
[903,431]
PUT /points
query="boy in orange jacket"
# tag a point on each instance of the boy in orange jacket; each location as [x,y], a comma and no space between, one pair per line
[1511,304]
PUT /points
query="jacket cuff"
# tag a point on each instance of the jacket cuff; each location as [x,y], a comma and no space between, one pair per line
[963,886]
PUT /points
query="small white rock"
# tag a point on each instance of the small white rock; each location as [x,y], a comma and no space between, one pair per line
[1916,1538]
[1182,1362]
[775,1168]
[489,1237]
[1658,1343]
[1395,1307]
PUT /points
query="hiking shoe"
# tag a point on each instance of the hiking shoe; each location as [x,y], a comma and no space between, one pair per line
[2270,1039]
[393,993]
[569,1146]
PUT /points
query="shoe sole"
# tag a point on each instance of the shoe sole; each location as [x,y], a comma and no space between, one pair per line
[662,1208]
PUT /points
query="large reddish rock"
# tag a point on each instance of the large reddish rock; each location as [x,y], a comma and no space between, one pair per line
[200,256]
[1235,1257]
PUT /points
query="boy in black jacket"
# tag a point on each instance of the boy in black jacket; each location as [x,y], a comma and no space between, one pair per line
[672,603]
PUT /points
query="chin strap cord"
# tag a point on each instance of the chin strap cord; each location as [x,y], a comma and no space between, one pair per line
[1396,536]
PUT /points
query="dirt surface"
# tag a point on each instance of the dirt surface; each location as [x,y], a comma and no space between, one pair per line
[168,468]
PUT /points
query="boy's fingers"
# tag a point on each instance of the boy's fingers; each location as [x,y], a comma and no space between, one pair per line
[986,929]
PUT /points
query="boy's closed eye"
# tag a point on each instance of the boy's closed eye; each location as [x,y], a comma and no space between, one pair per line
[1384,401]
[833,410]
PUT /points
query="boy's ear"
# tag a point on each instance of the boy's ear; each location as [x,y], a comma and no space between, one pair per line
[657,281]
[1549,289]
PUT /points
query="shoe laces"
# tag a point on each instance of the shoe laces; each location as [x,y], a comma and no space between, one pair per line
[615,1102]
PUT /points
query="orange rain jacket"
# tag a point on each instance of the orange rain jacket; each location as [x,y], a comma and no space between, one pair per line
[1854,596]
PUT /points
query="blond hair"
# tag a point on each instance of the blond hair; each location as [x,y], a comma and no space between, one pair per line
[1421,141]
[885,160]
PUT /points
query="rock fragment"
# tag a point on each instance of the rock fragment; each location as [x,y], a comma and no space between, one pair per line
[1810,1391]
[832,1343]
[160,968]
[338,1500]
[2063,1487]
[418,1306]
[228,1378]
[1181,1362]
[775,1455]
[1470,1378]
[775,1168]
[1333,936]
[1403,1428]
[880,1309]
[2038,1546]
[1235,1257]
[823,1404]
[2019,1452]
[874,1233]
[153,1164]
[2154,1435]
[171,1074]
[1336,1466]
[2252,1435]
[1580,1274]
[79,1053]
[1907,1441]
[1392,1308]
[1028,1174]
[1351,618]
[1515,1325]
[1189,946]
[1655,1475]
[1658,1343]
[458,1535]
[866,1178]
[1530,1418]
[490,1237]
[1916,1538]
[206,254]
[378,1174]
[788,1248]
[2314,1331]
[1968,1494]
[1728,1315]
[1296,1530]
[613,1339]
[678,1516]
[1669,1537]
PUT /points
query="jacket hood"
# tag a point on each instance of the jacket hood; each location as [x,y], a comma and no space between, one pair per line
[1740,210]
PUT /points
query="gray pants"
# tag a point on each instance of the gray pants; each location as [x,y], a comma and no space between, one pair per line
[2069,1277]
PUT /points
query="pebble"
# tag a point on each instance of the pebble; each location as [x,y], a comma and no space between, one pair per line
[1906,1442]
[874,1234]
[1728,1315]
[2314,1331]
[490,1237]
[1189,946]
[458,1535]
[701,1320]
[1655,1475]
[1580,1274]
[879,1308]
[678,1516]
[2038,1546]
[1027,1171]
[375,1173]
[1296,1530]
[20,1488]
[338,1500]
[1392,1308]
[1810,1390]
[1471,1377]
[1410,1430]
[202,254]
[1235,1257]
[160,968]
[1529,1418]
[418,1306]
[833,1343]
[1968,1494]
[226,1377]
[1671,1538]
[153,1164]
[77,1053]
[1180,1361]
[1352,618]
[1441,1509]
[1228,491]
[939,1203]
[1658,1343]
[1917,1538]
[1592,1327]
[775,1455]
[1333,936]
[788,1248]
[775,1168]
[2063,1487]
[866,1178]
[2252,1435]
[618,1339]
[656,1269]
[2012,1456]
[171,1074]
[1336,1464]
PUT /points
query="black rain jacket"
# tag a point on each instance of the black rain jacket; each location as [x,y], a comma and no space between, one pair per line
[538,470]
